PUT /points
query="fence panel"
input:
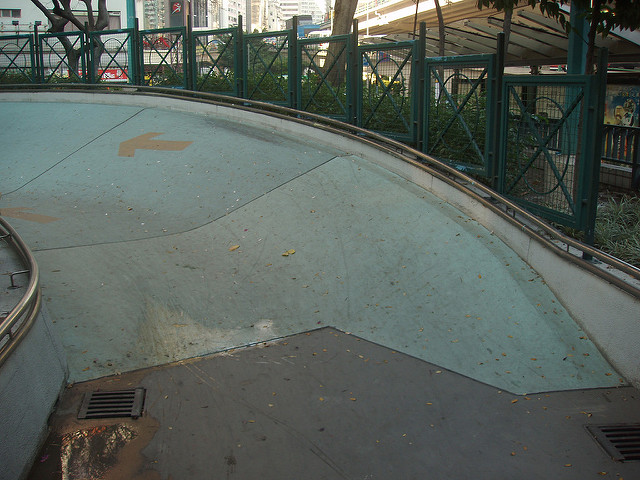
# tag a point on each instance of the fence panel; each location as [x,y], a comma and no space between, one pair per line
[386,88]
[547,159]
[113,56]
[323,73]
[460,111]
[163,55]
[17,59]
[63,57]
[215,61]
[267,67]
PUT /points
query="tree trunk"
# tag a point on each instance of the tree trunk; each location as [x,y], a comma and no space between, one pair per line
[506,28]
[591,41]
[342,20]
[441,30]
[61,14]
[441,37]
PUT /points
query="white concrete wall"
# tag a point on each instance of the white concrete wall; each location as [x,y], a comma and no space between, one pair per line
[31,381]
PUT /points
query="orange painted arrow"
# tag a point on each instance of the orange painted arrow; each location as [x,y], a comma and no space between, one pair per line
[19,213]
[145,142]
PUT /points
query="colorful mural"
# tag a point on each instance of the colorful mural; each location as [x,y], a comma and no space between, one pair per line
[622,105]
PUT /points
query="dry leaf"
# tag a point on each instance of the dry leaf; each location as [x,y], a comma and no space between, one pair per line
[234,247]
[289,252]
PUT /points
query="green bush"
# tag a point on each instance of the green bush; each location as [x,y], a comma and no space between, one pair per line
[317,97]
[215,82]
[448,138]
[618,228]
[15,78]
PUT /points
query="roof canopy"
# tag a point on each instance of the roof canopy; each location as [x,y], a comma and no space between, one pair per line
[534,39]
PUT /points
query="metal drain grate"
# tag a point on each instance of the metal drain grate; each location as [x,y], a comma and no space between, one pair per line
[118,403]
[621,441]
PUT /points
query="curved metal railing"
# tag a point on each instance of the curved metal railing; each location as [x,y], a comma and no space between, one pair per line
[15,325]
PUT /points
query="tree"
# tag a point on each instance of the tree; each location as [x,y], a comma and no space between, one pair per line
[342,19]
[602,16]
[441,30]
[61,14]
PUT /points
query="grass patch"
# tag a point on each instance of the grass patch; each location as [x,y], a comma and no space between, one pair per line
[618,228]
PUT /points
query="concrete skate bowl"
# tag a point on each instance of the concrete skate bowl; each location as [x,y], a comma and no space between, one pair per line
[173,225]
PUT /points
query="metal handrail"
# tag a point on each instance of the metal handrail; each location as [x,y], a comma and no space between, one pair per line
[19,320]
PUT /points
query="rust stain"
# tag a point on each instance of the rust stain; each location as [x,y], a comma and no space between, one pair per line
[100,449]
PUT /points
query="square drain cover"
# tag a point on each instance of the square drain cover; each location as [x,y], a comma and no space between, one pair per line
[621,441]
[118,403]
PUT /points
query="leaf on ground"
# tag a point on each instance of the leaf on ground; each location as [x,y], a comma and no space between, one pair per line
[289,252]
[234,247]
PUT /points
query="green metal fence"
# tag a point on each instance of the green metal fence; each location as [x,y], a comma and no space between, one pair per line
[386,80]
[113,56]
[548,155]
[530,137]
[323,72]
[17,59]
[163,55]
[268,67]
[460,111]
[63,57]
[215,61]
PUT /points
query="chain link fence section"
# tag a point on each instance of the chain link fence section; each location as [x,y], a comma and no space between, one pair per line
[460,108]
[215,61]
[17,59]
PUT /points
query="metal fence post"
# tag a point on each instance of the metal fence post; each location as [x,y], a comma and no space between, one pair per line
[635,167]
[292,64]
[188,60]
[594,123]
[239,59]
[89,72]
[134,55]
[500,137]
[354,75]
[35,58]
[419,87]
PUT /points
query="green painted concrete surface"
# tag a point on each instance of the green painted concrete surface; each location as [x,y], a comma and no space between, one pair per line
[169,255]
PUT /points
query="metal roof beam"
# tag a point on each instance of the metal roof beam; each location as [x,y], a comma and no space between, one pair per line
[550,39]
[455,48]
[541,20]
[475,41]
[515,39]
